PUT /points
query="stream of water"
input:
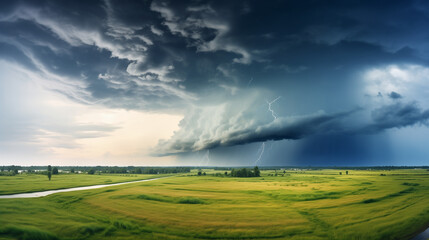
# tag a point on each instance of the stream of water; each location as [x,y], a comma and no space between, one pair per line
[49,192]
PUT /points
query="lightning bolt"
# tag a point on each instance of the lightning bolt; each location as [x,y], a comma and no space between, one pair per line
[261,152]
[270,109]
[262,148]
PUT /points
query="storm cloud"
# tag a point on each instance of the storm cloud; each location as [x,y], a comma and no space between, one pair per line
[339,68]
[397,116]
[194,135]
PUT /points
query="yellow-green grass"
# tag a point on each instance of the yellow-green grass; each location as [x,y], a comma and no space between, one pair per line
[36,182]
[311,205]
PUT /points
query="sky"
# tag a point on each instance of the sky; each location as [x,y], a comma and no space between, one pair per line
[214,83]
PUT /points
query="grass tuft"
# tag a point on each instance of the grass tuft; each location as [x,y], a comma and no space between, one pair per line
[190,200]
[371,200]
[410,184]
[122,224]
[27,233]
[91,229]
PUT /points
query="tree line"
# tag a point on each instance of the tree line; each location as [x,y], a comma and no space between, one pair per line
[150,170]
[245,172]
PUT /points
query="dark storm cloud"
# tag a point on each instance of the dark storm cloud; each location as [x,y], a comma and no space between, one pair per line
[396,116]
[395,95]
[290,128]
[179,48]
[176,56]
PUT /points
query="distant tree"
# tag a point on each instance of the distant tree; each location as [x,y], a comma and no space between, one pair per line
[199,173]
[72,170]
[341,173]
[204,173]
[284,171]
[55,171]
[15,171]
[347,172]
[226,173]
[91,171]
[138,171]
[256,171]
[49,172]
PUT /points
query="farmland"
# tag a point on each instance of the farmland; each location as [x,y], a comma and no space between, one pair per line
[317,204]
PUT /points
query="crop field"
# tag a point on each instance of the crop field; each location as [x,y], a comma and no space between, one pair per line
[317,204]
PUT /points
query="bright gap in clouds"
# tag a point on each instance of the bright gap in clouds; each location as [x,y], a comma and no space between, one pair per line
[39,127]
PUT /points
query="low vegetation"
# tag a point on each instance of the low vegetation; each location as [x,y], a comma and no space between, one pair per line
[36,182]
[296,204]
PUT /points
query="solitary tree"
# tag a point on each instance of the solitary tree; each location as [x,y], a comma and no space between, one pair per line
[226,173]
[341,173]
[199,173]
[49,172]
[347,172]
[55,171]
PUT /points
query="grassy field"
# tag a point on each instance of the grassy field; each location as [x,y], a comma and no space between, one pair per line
[297,205]
[36,182]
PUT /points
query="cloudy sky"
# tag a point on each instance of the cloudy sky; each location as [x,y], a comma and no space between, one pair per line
[344,83]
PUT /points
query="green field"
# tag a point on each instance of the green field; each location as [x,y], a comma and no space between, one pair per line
[299,205]
[37,182]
